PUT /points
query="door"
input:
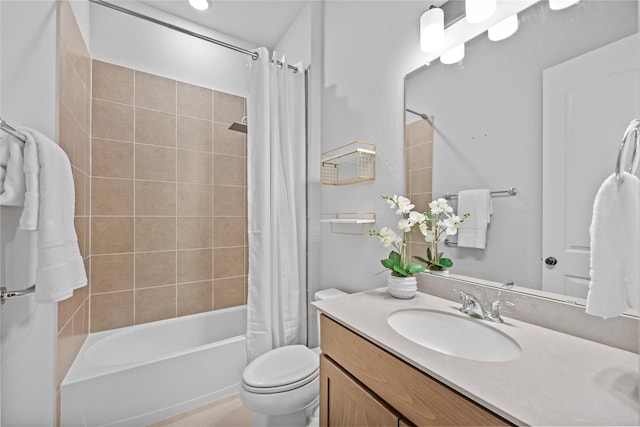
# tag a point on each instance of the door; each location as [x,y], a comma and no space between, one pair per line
[588,102]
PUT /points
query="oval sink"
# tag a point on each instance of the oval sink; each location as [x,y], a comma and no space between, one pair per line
[454,335]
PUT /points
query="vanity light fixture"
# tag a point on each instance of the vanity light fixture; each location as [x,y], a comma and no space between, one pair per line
[199,4]
[479,10]
[453,55]
[503,29]
[561,4]
[432,29]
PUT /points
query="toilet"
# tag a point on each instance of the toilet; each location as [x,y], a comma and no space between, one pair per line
[282,386]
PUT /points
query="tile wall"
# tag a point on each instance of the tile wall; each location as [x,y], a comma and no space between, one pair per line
[168,206]
[419,172]
[74,77]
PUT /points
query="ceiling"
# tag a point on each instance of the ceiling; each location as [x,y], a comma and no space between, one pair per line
[259,22]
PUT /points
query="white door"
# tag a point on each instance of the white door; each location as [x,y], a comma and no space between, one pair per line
[588,102]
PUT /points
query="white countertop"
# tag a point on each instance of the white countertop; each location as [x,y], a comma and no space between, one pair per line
[558,379]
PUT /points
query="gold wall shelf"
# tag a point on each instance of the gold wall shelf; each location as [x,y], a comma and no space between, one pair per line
[344,222]
[349,164]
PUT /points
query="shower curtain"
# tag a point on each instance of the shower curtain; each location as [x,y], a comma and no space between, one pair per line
[276,181]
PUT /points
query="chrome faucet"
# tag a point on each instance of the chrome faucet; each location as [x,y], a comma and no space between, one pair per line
[472,306]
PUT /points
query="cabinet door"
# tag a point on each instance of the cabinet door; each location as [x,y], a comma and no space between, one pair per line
[344,402]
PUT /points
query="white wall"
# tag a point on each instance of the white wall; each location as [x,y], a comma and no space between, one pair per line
[28,36]
[82,12]
[132,42]
[369,46]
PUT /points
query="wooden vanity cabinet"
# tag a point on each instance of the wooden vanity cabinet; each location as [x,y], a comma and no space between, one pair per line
[363,385]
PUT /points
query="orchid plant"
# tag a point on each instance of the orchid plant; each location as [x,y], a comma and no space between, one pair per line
[398,261]
[440,221]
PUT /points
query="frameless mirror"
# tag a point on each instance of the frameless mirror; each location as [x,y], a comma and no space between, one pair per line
[542,111]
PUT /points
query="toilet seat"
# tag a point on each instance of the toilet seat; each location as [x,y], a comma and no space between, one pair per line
[282,369]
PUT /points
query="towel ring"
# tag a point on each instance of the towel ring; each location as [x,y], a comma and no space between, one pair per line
[633,128]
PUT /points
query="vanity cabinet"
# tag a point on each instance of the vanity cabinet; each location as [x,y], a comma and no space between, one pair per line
[363,384]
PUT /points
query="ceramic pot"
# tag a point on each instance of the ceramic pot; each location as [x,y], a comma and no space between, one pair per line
[402,287]
[438,272]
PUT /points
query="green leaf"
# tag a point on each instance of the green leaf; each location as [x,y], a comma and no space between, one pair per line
[429,256]
[415,268]
[395,256]
[388,263]
[419,258]
[401,271]
[445,262]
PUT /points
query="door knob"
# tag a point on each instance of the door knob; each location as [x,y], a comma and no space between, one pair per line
[551,261]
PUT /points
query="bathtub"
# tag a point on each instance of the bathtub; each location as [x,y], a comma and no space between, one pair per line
[145,373]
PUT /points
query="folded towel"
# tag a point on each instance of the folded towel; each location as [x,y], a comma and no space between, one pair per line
[615,248]
[12,180]
[31,168]
[60,267]
[472,233]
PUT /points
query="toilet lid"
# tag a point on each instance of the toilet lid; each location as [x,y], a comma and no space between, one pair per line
[281,369]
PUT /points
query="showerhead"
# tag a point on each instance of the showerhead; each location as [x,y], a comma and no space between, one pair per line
[239,126]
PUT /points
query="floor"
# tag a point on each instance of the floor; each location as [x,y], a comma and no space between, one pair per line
[227,412]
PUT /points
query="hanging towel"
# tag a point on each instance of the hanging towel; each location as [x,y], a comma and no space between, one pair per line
[12,181]
[615,247]
[472,233]
[60,267]
[31,169]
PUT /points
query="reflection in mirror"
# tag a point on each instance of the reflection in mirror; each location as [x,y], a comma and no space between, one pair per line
[542,111]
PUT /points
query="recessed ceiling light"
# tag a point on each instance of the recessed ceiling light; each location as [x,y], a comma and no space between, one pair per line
[199,4]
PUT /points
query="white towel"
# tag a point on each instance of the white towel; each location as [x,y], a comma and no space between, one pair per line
[31,168]
[472,233]
[60,267]
[12,180]
[615,248]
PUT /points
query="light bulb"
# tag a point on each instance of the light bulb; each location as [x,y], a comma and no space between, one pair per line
[561,4]
[453,55]
[479,10]
[199,4]
[432,30]
[504,28]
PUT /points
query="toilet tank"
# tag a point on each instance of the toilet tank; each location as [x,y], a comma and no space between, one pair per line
[322,295]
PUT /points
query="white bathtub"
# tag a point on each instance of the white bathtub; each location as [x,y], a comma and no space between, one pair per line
[145,373]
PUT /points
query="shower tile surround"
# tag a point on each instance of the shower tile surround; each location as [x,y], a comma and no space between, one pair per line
[168,205]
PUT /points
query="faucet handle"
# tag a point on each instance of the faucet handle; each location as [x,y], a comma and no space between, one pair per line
[463,295]
[494,315]
[466,301]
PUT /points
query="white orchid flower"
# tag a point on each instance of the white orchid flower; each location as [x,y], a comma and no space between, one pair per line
[428,233]
[404,205]
[405,225]
[393,201]
[388,237]
[451,224]
[417,217]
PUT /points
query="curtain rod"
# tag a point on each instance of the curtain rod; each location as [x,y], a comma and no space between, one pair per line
[253,55]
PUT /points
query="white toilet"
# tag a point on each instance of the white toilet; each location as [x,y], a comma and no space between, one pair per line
[282,386]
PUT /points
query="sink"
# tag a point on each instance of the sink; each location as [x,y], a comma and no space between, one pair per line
[454,335]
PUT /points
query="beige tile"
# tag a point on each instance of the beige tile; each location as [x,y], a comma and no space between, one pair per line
[112,159]
[228,262]
[195,297]
[69,34]
[155,163]
[155,198]
[229,231]
[65,352]
[111,235]
[194,265]
[68,307]
[110,311]
[155,304]
[195,134]
[82,232]
[66,71]
[421,131]
[229,170]
[111,273]
[227,108]
[420,156]
[421,201]
[228,292]
[112,196]
[155,269]
[79,93]
[66,130]
[195,167]
[229,201]
[195,233]
[155,127]
[194,101]
[155,233]
[81,147]
[112,82]
[155,92]
[421,180]
[112,121]
[226,141]
[79,185]
[194,200]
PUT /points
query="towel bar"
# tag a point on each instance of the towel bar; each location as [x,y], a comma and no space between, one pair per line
[634,127]
[512,191]
[6,294]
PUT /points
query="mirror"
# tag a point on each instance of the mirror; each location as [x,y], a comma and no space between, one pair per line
[542,111]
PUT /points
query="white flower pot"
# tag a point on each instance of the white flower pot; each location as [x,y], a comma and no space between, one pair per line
[402,287]
[438,272]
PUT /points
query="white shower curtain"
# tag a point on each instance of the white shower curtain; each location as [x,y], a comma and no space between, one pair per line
[276,162]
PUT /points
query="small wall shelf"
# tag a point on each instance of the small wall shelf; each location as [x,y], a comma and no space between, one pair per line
[349,164]
[344,222]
